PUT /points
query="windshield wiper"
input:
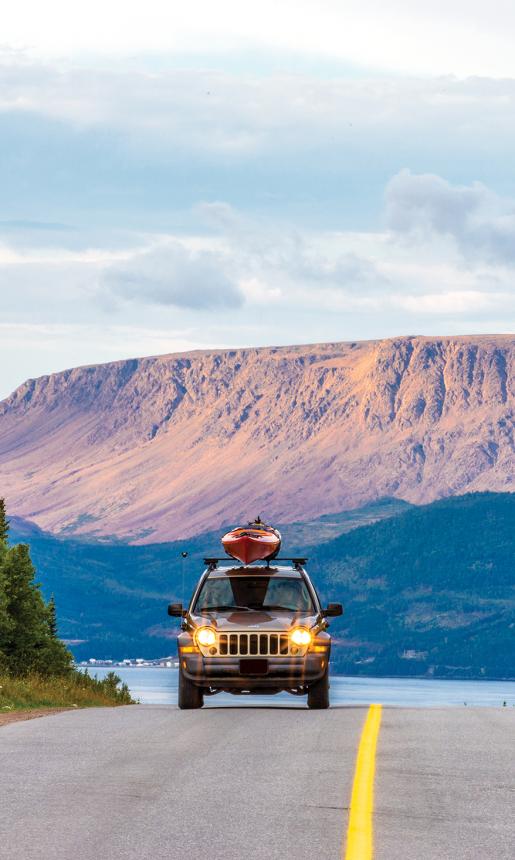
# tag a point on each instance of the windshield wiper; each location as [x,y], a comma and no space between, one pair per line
[223,606]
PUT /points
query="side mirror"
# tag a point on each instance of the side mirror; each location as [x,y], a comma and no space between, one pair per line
[175,609]
[333,609]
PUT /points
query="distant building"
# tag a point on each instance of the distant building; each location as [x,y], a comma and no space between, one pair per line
[411,654]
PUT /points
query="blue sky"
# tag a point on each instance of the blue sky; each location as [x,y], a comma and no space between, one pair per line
[239,174]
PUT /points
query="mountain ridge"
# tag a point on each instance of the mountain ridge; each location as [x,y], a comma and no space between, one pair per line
[165,447]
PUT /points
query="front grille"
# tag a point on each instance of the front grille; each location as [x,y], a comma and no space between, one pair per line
[254,645]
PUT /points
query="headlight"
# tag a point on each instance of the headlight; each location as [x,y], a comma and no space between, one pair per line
[205,636]
[300,636]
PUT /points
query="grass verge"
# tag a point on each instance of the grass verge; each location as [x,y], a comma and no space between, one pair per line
[75,690]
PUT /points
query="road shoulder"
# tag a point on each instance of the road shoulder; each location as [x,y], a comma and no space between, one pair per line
[7,717]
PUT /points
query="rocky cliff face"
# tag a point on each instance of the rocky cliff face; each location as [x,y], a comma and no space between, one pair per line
[165,447]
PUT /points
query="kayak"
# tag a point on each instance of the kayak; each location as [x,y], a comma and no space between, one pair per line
[255,542]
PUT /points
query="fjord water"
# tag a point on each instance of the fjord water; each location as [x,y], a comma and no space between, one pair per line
[158,686]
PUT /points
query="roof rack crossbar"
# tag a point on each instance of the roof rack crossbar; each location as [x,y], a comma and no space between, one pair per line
[212,562]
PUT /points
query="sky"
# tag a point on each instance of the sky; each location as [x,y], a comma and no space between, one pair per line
[180,176]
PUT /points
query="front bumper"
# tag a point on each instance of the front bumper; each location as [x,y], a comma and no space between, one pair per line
[229,673]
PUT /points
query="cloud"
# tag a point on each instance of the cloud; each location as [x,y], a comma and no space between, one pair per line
[471,303]
[106,145]
[250,280]
[222,112]
[481,223]
[275,259]
[344,270]
[173,274]
[472,37]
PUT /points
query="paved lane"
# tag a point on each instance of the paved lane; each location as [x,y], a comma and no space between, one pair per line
[151,782]
[445,784]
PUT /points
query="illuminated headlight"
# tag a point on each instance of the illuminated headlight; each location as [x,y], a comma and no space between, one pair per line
[300,636]
[205,636]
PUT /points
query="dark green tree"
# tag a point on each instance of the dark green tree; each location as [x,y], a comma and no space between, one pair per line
[27,612]
[30,643]
[5,621]
[55,659]
[52,617]
[4,523]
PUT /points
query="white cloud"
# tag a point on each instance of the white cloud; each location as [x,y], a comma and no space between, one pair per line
[252,262]
[463,37]
[223,113]
[111,135]
[468,302]
[279,251]
[172,274]
[480,222]
[250,281]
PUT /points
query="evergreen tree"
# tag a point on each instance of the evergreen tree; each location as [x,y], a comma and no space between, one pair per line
[31,643]
[52,618]
[55,659]
[29,640]
[5,621]
[27,612]
[4,524]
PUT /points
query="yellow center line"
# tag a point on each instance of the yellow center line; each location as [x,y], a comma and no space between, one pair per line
[360,842]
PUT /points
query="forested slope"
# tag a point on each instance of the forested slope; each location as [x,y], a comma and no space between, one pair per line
[427,591]
[431,591]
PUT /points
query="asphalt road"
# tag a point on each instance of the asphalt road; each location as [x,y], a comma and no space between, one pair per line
[151,782]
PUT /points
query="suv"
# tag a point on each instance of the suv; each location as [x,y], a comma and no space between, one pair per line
[254,629]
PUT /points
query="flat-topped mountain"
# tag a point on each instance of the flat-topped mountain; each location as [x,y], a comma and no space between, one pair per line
[165,447]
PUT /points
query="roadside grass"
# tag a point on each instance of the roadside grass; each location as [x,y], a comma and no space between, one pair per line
[75,690]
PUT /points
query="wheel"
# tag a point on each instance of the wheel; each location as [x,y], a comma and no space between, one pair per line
[190,696]
[318,693]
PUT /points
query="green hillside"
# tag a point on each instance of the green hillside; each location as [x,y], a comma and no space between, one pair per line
[428,591]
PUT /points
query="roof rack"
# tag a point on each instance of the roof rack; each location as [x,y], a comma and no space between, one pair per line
[213,562]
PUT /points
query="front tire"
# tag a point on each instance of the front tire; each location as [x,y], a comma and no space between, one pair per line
[318,694]
[190,696]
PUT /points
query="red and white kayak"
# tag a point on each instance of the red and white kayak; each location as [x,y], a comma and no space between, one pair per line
[255,542]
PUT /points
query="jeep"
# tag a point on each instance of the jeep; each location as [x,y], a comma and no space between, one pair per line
[254,629]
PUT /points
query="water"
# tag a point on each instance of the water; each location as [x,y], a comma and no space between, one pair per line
[159,687]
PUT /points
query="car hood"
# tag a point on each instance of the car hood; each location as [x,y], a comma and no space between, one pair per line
[258,621]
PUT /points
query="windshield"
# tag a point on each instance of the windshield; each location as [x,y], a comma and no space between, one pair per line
[255,592]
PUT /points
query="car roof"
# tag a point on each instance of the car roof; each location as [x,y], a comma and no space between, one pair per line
[220,572]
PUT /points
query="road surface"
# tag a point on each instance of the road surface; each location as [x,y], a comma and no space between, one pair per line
[151,782]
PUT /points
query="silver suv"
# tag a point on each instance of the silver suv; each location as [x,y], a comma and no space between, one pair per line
[254,629]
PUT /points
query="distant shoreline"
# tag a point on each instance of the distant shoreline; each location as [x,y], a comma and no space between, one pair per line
[475,680]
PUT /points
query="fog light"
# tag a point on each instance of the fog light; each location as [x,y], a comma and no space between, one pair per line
[205,636]
[300,636]
[212,650]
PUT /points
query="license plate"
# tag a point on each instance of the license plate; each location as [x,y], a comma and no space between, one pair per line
[253,667]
